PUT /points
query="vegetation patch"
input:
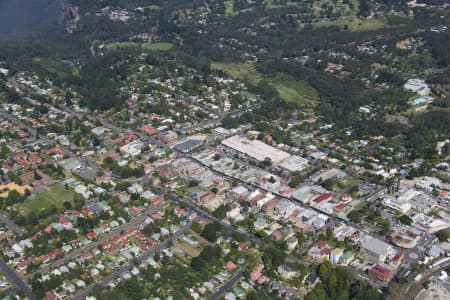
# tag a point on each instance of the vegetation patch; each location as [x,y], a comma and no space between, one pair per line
[295,91]
[56,196]
[146,46]
[289,89]
[190,250]
[229,11]
[241,71]
[355,24]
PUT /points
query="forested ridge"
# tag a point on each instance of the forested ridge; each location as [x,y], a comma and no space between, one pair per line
[276,37]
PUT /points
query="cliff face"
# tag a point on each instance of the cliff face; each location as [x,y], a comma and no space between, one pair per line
[69,16]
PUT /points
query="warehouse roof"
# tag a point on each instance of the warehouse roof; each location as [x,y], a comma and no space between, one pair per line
[255,149]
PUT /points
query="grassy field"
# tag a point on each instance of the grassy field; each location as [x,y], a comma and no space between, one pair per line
[229,11]
[157,46]
[345,184]
[146,46]
[239,71]
[317,6]
[191,251]
[289,89]
[270,4]
[355,24]
[296,91]
[56,195]
[122,45]
[152,7]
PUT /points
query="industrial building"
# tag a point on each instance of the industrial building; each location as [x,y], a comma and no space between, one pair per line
[294,163]
[253,149]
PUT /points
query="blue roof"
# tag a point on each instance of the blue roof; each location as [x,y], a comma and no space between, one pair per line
[94,208]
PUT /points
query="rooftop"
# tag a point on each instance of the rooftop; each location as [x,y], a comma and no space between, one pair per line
[255,149]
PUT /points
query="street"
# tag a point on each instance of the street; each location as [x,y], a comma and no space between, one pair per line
[11,225]
[227,285]
[129,265]
[16,280]
[77,252]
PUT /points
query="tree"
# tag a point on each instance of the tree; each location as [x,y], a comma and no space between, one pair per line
[192,183]
[208,257]
[373,294]
[317,293]
[14,197]
[354,216]
[301,238]
[329,232]
[212,231]
[296,179]
[273,257]
[196,227]
[220,212]
[328,184]
[325,269]
[404,219]
[443,235]
[385,227]
[4,151]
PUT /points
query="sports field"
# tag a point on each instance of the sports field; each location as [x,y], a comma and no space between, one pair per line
[56,196]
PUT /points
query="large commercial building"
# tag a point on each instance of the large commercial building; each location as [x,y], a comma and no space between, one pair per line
[375,250]
[294,163]
[254,149]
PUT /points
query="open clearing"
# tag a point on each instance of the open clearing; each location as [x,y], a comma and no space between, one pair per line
[229,11]
[355,24]
[145,46]
[56,195]
[191,251]
[289,89]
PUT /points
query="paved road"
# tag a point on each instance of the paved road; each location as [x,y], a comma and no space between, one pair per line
[94,167]
[413,289]
[128,266]
[16,121]
[250,185]
[227,285]
[11,225]
[77,252]
[16,280]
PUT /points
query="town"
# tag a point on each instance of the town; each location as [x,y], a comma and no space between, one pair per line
[172,195]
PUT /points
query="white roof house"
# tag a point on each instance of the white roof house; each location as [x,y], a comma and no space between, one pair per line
[417,86]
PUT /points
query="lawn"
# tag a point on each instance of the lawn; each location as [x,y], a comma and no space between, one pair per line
[191,251]
[296,91]
[241,71]
[355,24]
[346,184]
[273,5]
[122,45]
[229,11]
[146,46]
[289,89]
[157,46]
[317,6]
[56,195]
